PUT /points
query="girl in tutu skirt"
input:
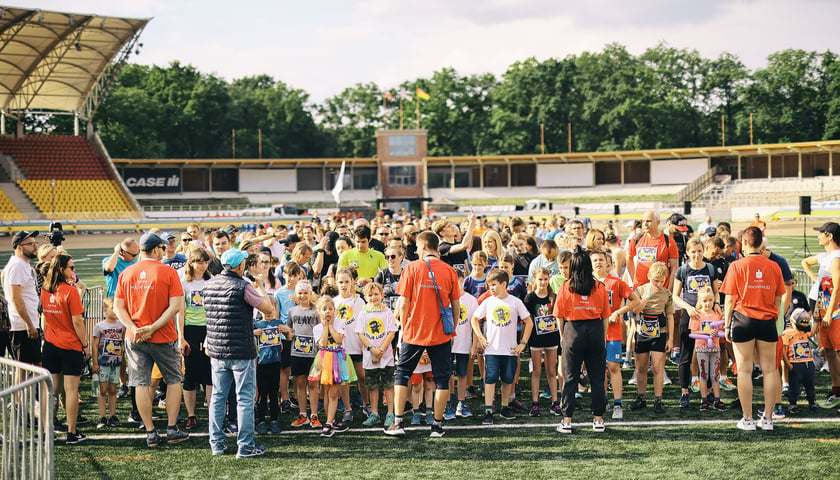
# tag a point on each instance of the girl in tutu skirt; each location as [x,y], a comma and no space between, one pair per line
[332,367]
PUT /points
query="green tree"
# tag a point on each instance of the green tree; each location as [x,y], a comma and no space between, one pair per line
[352,118]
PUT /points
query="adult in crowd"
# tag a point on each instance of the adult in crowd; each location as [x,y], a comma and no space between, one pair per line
[650,247]
[20,287]
[172,257]
[324,255]
[147,299]
[422,330]
[754,289]
[125,254]
[366,261]
[595,239]
[758,222]
[229,303]
[707,224]
[389,278]
[455,253]
[491,244]
[410,232]
[823,301]
[583,311]
[221,244]
[65,341]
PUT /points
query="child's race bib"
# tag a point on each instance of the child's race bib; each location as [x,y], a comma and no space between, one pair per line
[801,351]
[302,344]
[649,326]
[545,325]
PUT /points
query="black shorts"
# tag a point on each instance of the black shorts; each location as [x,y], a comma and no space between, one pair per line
[61,361]
[301,366]
[646,344]
[25,349]
[439,355]
[356,357]
[196,364]
[286,354]
[745,329]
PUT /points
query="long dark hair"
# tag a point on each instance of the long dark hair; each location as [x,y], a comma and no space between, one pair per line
[54,277]
[582,282]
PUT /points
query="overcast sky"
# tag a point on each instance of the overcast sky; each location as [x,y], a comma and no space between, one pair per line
[324,46]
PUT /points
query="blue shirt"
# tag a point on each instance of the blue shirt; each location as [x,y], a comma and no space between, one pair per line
[112,277]
[268,354]
[284,303]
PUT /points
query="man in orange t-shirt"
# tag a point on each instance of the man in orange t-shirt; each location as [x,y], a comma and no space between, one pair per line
[422,330]
[148,296]
[650,247]
[754,287]
[758,222]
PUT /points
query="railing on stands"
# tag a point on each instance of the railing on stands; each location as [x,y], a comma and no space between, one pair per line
[803,281]
[93,301]
[693,190]
[26,427]
[198,208]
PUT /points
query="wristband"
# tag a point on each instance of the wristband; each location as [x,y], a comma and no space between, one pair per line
[650,296]
[84,346]
[523,342]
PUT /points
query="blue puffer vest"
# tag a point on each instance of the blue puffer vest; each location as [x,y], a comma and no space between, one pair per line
[230,320]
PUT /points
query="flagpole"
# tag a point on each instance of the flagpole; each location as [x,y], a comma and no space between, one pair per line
[401,111]
[384,112]
[417,100]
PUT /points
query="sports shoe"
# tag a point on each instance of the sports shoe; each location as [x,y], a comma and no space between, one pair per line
[74,438]
[123,391]
[633,379]
[812,408]
[598,426]
[685,401]
[348,416]
[546,394]
[416,418]
[59,427]
[192,424]
[785,388]
[830,402]
[248,452]
[366,410]
[746,424]
[395,430]
[778,412]
[488,418]
[389,420]
[720,406]
[463,410]
[555,409]
[262,428]
[218,450]
[666,380]
[285,407]
[275,428]
[153,439]
[293,403]
[695,385]
[134,417]
[176,435]
[517,406]
[339,427]
[774,414]
[114,421]
[765,423]
[437,430]
[372,420]
[618,412]
[470,393]
[793,409]
[449,412]
[727,384]
[80,420]
[301,420]
[430,417]
[564,427]
[231,427]
[704,407]
[638,404]
[674,358]
[658,408]
[314,422]
[507,413]
[535,411]
[103,422]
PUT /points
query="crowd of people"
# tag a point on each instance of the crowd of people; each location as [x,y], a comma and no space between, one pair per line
[285,319]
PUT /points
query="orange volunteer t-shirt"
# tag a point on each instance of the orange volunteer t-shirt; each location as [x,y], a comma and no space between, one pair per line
[146,288]
[59,309]
[754,282]
[617,292]
[571,306]
[423,325]
[649,251]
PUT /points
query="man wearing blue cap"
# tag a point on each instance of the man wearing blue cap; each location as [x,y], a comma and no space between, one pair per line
[148,296]
[229,301]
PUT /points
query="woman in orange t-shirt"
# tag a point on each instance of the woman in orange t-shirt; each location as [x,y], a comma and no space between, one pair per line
[65,341]
[583,310]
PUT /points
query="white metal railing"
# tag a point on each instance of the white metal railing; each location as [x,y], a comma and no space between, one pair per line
[26,427]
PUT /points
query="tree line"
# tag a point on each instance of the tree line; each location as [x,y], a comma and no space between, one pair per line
[614,100]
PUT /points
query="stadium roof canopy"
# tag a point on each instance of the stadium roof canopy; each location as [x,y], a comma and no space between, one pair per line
[61,62]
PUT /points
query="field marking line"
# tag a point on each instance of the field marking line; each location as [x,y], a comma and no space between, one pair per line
[113,459]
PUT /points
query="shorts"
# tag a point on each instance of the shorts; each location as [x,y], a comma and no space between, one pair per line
[440,357]
[614,351]
[25,349]
[460,363]
[109,374]
[499,366]
[157,375]
[829,337]
[61,361]
[301,366]
[142,357]
[356,357]
[286,354]
[646,344]
[197,363]
[745,329]
[379,377]
[417,378]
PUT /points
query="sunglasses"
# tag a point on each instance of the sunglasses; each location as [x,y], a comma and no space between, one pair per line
[72,267]
[411,233]
[186,239]
[390,257]
[132,255]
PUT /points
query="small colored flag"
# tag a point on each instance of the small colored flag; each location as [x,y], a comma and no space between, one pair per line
[339,185]
[389,97]
[422,95]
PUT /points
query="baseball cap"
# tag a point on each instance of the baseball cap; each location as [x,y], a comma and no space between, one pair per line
[166,236]
[801,318]
[303,286]
[679,221]
[22,235]
[290,238]
[710,231]
[150,241]
[830,227]
[233,258]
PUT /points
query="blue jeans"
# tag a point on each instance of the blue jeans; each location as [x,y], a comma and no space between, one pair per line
[244,374]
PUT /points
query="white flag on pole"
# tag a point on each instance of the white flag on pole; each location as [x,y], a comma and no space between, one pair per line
[339,185]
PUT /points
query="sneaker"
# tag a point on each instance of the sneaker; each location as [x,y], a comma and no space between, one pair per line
[720,406]
[507,413]
[830,402]
[517,405]
[555,409]
[153,439]
[774,415]
[470,393]
[812,408]
[546,394]
[339,427]
[162,403]
[598,426]
[727,384]
[366,410]
[262,428]
[488,418]
[793,409]
[59,427]
[626,365]
[638,404]
[746,424]
[685,400]
[348,416]
[757,374]
[372,420]
[704,407]
[658,408]
[293,403]
[134,417]
[416,418]
[80,420]
[785,388]
[535,411]
[395,430]
[463,410]
[695,385]
[564,427]
[285,407]
[430,417]
[674,358]
[389,420]
[618,412]
[778,412]
[666,380]
[114,421]
[314,422]
[633,379]
[765,423]
[176,435]
[248,452]
[123,391]
[103,422]
[192,424]
[437,430]
[218,450]
[301,421]
[449,412]
[74,438]
[231,428]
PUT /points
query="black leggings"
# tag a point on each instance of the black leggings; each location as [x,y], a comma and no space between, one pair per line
[268,382]
[583,343]
[802,375]
[686,350]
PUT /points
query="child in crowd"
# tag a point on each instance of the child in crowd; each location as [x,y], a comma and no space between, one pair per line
[292,274]
[348,306]
[653,334]
[463,354]
[799,359]
[375,329]
[333,369]
[269,334]
[476,283]
[516,286]
[564,260]
[501,313]
[302,319]
[707,322]
[107,346]
[545,340]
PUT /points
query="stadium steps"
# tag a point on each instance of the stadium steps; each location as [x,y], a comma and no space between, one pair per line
[25,208]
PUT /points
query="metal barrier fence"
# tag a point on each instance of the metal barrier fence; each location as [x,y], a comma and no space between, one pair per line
[803,281]
[26,427]
[93,303]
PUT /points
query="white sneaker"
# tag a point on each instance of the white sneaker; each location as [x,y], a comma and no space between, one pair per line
[598,426]
[746,424]
[564,427]
[618,413]
[765,423]
[633,380]
[666,380]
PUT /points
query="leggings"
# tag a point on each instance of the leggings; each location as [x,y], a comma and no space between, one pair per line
[686,350]
[801,373]
[268,382]
[583,343]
